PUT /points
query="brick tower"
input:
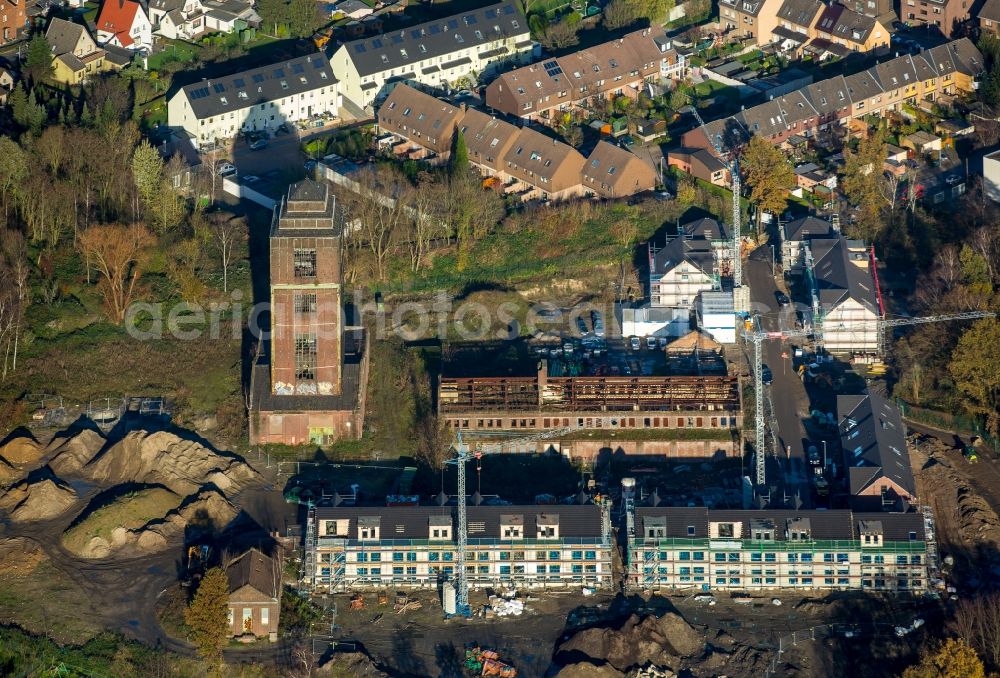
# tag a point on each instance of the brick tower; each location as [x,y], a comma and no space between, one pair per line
[309,386]
[305,293]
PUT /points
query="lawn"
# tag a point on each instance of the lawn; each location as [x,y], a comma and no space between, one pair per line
[45,601]
[130,511]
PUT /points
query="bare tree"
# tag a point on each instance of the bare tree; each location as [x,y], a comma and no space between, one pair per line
[16,254]
[977,620]
[118,253]
[379,212]
[426,219]
[228,233]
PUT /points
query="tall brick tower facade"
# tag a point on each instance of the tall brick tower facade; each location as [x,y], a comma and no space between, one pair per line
[309,386]
[305,293]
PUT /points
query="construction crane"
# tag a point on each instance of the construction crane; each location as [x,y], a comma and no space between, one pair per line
[462,455]
[732,164]
[757,336]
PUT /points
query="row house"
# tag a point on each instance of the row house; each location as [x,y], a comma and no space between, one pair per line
[796,236]
[551,546]
[125,24]
[947,69]
[699,549]
[259,99]
[989,17]
[751,20]
[873,440]
[13,20]
[701,164]
[519,160]
[617,68]
[437,53]
[947,16]
[810,25]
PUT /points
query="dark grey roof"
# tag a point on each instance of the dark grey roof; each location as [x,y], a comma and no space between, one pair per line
[863,85]
[841,22]
[873,437]
[828,96]
[990,10]
[256,570]
[790,34]
[268,83]
[693,245]
[808,227]
[412,522]
[118,55]
[166,5]
[799,12]
[842,525]
[751,7]
[837,278]
[308,190]
[404,47]
[704,228]
[63,35]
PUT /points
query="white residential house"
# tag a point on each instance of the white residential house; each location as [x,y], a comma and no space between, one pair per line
[437,53]
[795,237]
[258,99]
[845,303]
[687,265]
[991,175]
[177,19]
[125,24]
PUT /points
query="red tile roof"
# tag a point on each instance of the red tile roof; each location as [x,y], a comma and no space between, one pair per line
[117,17]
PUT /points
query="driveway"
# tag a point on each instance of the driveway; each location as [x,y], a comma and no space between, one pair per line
[281,154]
[789,401]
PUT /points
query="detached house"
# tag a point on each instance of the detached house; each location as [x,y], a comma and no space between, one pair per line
[254,594]
[124,23]
[873,439]
[796,236]
[436,53]
[689,264]
[845,305]
[177,19]
[75,55]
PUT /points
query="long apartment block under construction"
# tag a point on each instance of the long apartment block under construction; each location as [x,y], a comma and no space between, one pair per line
[542,402]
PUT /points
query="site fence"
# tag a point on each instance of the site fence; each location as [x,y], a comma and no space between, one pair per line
[947,422]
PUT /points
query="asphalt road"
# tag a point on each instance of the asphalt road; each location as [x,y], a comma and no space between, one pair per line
[789,401]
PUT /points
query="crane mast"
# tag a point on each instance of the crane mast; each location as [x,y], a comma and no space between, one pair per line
[462,455]
[757,336]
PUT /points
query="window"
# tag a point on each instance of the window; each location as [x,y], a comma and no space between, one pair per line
[305,303]
[726,530]
[305,356]
[305,263]
[590,555]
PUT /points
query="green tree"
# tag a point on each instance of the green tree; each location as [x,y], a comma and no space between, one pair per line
[460,154]
[976,272]
[768,174]
[25,111]
[147,172]
[13,171]
[861,181]
[302,19]
[38,63]
[618,14]
[273,13]
[207,616]
[974,369]
[954,658]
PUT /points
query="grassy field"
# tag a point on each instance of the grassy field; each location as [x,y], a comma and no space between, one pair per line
[130,511]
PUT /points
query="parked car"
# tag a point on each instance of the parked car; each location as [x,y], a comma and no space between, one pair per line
[635,343]
[581,325]
[309,165]
[598,322]
[282,129]
[782,298]
[258,145]
[765,375]
[651,343]
[226,169]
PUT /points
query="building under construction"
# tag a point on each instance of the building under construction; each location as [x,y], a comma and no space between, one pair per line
[542,402]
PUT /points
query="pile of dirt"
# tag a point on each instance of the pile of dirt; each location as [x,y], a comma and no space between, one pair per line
[8,473]
[43,498]
[350,664]
[23,450]
[70,454]
[588,670]
[164,458]
[663,642]
[107,518]
[19,556]
[208,511]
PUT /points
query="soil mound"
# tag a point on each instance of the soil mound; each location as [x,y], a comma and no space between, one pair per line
[587,670]
[8,473]
[70,454]
[19,556]
[164,458]
[22,451]
[208,511]
[41,499]
[109,521]
[638,642]
[350,664]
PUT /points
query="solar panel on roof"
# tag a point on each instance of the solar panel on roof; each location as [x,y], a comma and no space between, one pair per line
[396,39]
[435,29]
[219,88]
[358,49]
[470,20]
[452,24]
[279,72]
[415,34]
[508,9]
[377,43]
[317,64]
[239,82]
[297,68]
[491,14]
[258,78]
